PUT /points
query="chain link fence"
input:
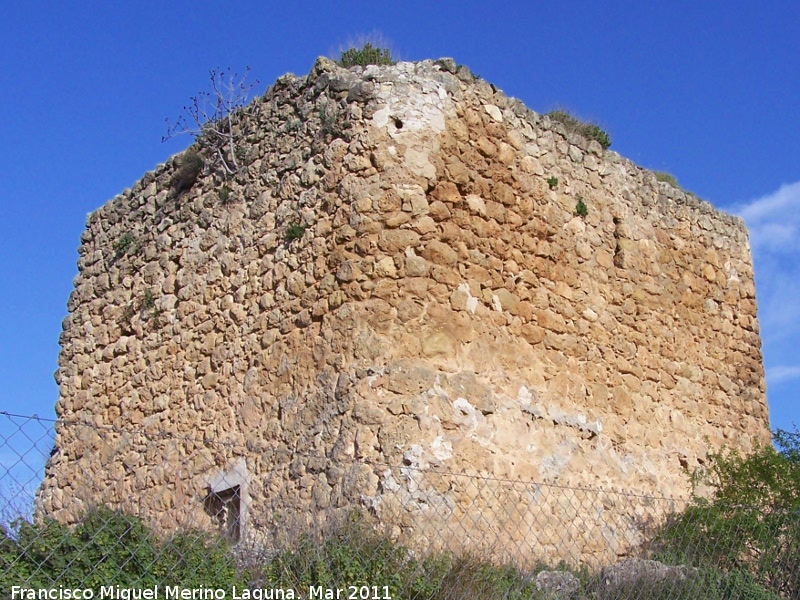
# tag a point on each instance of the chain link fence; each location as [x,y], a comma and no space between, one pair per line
[148,514]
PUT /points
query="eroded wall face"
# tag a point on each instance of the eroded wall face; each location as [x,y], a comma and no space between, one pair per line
[444,310]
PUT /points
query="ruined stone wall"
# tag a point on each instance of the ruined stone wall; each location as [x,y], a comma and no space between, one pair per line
[444,310]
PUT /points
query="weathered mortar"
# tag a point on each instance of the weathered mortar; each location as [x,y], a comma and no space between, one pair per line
[444,309]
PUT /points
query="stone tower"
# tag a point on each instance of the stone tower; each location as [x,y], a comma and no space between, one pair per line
[396,284]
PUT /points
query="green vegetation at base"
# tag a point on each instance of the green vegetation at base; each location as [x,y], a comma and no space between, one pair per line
[708,584]
[108,547]
[356,555]
[353,554]
[591,131]
[742,543]
[750,527]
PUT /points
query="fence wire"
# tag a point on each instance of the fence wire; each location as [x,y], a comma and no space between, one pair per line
[146,513]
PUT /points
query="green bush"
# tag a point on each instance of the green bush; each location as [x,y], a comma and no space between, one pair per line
[552,182]
[705,583]
[768,477]
[788,443]
[108,547]
[473,578]
[743,585]
[365,55]
[353,555]
[573,124]
[357,555]
[751,523]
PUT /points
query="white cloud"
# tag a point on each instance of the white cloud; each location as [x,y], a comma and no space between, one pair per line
[778,294]
[783,373]
[774,224]
[774,220]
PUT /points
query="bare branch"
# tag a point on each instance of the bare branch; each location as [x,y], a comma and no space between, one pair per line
[211,117]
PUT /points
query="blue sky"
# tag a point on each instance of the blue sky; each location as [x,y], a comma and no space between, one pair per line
[709,91]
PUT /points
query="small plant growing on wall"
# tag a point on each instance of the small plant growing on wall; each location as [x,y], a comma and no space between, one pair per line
[225,197]
[552,182]
[367,54]
[186,175]
[581,210]
[295,232]
[667,178]
[292,125]
[148,300]
[149,306]
[146,307]
[127,315]
[327,118]
[573,124]
[123,245]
